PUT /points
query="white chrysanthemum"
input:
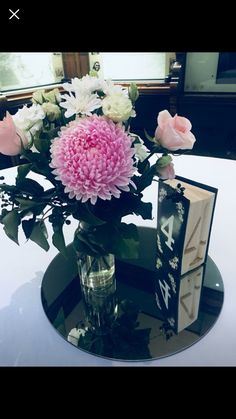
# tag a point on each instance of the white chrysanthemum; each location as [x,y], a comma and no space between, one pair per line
[83,104]
[109,88]
[117,107]
[71,87]
[86,84]
[29,120]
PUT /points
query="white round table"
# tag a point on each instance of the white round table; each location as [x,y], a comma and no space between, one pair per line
[28,339]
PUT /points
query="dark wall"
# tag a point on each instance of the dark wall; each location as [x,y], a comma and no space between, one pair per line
[213,121]
[213,116]
[147,108]
[5,161]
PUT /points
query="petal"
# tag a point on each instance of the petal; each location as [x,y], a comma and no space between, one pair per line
[182,124]
[163,118]
[188,140]
[170,138]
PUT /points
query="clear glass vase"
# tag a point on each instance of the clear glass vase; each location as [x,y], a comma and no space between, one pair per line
[98,287]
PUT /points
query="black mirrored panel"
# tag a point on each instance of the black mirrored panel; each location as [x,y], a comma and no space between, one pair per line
[139,330]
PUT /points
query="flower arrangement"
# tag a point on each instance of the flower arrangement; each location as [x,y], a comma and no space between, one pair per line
[80,141]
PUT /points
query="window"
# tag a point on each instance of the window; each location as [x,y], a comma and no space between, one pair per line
[28,70]
[139,67]
[210,72]
[23,73]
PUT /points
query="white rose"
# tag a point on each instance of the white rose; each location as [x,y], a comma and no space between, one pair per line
[52,111]
[37,97]
[29,120]
[53,96]
[117,107]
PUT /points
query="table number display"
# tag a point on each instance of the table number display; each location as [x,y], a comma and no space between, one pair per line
[185,214]
[179,298]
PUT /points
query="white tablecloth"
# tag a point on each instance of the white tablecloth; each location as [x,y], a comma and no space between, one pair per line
[28,339]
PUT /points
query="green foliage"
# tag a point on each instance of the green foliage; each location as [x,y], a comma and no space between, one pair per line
[39,235]
[120,239]
[42,142]
[58,239]
[83,212]
[133,92]
[142,182]
[27,226]
[124,339]
[163,161]
[11,221]
[29,186]
[148,137]
[128,203]
[23,170]
[8,188]
[28,204]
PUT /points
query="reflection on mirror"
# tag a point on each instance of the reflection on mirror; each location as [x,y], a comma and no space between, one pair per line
[138,329]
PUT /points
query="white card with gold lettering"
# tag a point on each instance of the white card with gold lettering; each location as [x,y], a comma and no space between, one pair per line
[185,213]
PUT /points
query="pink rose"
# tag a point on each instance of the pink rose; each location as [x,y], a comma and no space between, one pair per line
[10,143]
[166,172]
[174,133]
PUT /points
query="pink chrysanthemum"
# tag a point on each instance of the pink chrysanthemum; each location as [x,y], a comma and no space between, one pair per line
[93,159]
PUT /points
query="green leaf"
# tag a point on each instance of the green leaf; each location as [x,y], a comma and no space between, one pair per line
[28,203]
[120,239]
[133,92]
[35,157]
[53,133]
[163,161]
[143,166]
[23,170]
[30,186]
[83,213]
[4,212]
[38,235]
[37,210]
[42,142]
[127,243]
[144,209]
[8,188]
[84,244]
[11,223]
[28,226]
[115,209]
[152,139]
[146,179]
[129,231]
[58,240]
[82,247]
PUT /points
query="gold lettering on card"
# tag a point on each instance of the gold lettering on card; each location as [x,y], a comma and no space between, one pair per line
[187,248]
